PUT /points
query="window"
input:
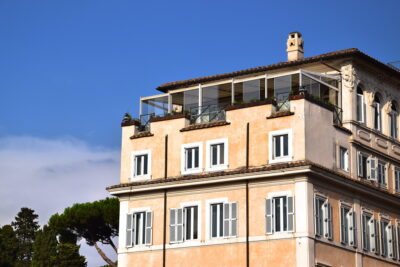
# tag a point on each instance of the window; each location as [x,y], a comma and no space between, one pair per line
[397,179]
[223,220]
[139,228]
[191,158]
[348,233]
[280,146]
[377,113]
[184,224]
[397,244]
[217,154]
[360,106]
[394,114]
[367,167]
[362,165]
[382,173]
[323,217]
[344,159]
[279,212]
[370,233]
[141,168]
[386,238]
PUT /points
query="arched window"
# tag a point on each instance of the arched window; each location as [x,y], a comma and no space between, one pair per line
[394,119]
[377,112]
[360,105]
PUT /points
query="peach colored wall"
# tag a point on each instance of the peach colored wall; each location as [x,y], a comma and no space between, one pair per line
[235,132]
[273,253]
[332,256]
[372,262]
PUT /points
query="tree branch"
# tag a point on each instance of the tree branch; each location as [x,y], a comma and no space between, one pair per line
[113,245]
[105,258]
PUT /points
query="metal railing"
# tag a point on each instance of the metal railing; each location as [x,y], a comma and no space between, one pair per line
[337,115]
[145,122]
[206,114]
[282,103]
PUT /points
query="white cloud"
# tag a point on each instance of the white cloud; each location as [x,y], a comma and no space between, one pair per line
[50,175]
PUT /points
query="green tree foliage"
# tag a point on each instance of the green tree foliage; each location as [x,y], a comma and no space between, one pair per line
[25,226]
[96,222]
[8,246]
[48,252]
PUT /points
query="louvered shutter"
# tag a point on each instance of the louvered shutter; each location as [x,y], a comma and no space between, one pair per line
[317,217]
[382,235]
[172,225]
[391,253]
[343,229]
[372,169]
[373,235]
[268,215]
[149,226]
[226,217]
[290,219]
[129,231]
[376,225]
[233,223]
[179,225]
[346,164]
[352,229]
[330,227]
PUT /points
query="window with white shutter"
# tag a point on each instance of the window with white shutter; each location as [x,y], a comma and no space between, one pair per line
[398,241]
[384,237]
[280,146]
[191,223]
[374,235]
[360,106]
[279,214]
[139,228]
[323,217]
[224,220]
[191,158]
[348,231]
[176,225]
[371,168]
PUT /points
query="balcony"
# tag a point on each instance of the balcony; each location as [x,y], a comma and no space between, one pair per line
[203,103]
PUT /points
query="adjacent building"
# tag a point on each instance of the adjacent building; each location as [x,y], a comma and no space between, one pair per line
[291,164]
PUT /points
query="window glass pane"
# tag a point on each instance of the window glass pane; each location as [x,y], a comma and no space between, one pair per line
[145,158]
[285,145]
[277,214]
[270,90]
[185,101]
[195,222]
[214,218]
[214,154]
[138,165]
[277,146]
[188,229]
[217,95]
[282,86]
[221,154]
[249,91]
[157,106]
[189,158]
[196,157]
[284,214]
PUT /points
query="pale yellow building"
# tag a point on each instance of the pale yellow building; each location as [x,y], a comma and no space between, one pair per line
[291,164]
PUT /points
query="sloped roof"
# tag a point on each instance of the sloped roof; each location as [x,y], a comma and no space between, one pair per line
[352,52]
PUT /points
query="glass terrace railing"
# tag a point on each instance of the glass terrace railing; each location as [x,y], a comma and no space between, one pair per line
[206,114]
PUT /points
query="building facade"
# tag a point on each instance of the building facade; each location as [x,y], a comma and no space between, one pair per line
[291,164]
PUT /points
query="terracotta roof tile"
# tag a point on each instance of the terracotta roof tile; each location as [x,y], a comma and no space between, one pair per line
[352,52]
[204,125]
[141,134]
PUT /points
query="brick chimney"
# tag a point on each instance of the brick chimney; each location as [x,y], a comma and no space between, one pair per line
[295,46]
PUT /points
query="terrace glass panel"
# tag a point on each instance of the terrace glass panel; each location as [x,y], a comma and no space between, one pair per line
[249,91]
[281,87]
[321,91]
[156,106]
[185,101]
[219,95]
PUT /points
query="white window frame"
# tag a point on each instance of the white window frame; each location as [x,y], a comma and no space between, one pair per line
[272,158]
[360,171]
[132,212]
[271,196]
[222,201]
[326,216]
[209,166]
[183,158]
[344,157]
[147,176]
[350,228]
[366,231]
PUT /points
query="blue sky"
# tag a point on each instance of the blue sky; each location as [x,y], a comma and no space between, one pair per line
[70,69]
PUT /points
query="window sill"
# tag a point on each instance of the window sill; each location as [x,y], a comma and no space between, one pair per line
[191,172]
[279,160]
[140,178]
[217,168]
